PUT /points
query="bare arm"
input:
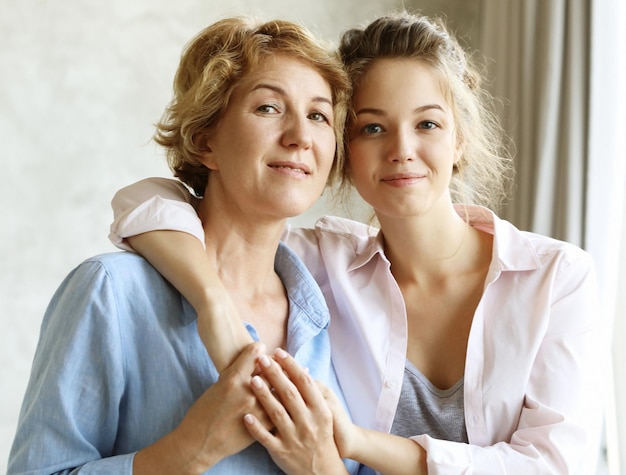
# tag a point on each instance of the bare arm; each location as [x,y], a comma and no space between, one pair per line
[313,428]
[156,218]
[387,453]
[182,260]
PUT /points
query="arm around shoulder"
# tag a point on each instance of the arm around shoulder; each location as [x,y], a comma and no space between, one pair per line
[153,204]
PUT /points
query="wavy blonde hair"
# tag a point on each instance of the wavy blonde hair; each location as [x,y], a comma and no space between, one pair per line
[483,174]
[212,65]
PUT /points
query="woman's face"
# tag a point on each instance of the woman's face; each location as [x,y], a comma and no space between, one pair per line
[403,143]
[273,148]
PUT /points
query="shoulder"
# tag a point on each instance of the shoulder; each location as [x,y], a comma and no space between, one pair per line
[122,263]
[124,273]
[98,290]
[547,259]
[570,264]
[544,248]
[519,250]
[124,283]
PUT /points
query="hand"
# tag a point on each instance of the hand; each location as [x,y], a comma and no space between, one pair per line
[385,453]
[302,441]
[212,429]
[218,412]
[345,431]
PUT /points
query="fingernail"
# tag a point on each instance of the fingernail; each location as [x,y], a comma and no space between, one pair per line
[264,361]
[248,418]
[257,382]
[280,353]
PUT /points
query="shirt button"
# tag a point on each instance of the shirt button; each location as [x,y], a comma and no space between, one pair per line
[390,384]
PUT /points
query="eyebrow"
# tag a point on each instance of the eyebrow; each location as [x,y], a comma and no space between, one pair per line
[281,91]
[374,111]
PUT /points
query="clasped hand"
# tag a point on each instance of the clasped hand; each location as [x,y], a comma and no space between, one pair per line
[294,417]
[303,415]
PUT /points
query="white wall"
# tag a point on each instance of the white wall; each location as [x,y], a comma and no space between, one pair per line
[81,83]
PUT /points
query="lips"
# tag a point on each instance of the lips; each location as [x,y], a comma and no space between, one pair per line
[291,166]
[401,179]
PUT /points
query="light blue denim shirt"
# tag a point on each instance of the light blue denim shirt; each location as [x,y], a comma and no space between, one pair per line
[119,363]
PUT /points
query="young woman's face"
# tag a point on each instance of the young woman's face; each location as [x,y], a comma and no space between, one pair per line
[273,148]
[403,144]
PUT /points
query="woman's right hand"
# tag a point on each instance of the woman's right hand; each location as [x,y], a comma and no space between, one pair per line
[213,428]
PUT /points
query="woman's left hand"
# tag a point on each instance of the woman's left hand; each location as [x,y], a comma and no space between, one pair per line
[302,440]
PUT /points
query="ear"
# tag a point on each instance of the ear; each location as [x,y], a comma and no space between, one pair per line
[202,142]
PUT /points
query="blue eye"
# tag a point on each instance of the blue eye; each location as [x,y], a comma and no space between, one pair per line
[427,124]
[372,129]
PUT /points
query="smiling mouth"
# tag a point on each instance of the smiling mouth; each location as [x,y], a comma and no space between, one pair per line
[402,179]
[299,168]
[402,176]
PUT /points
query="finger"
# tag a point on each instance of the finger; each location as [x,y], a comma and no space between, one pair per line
[300,378]
[332,401]
[260,433]
[245,364]
[235,382]
[273,407]
[283,388]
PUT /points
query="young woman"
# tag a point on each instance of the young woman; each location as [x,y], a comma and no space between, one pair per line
[449,326]
[121,382]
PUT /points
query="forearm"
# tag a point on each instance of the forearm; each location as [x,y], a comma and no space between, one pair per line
[181,259]
[388,454]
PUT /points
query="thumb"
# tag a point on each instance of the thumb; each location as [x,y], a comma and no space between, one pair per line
[245,362]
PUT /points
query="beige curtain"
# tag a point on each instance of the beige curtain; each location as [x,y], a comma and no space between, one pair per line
[540,50]
[557,64]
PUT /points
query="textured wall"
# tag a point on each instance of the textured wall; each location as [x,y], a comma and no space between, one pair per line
[81,83]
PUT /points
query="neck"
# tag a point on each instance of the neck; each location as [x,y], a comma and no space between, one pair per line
[242,249]
[432,246]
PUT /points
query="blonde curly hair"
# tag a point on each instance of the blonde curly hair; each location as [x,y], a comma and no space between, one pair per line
[212,65]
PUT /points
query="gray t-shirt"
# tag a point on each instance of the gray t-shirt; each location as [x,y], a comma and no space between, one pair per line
[425,409]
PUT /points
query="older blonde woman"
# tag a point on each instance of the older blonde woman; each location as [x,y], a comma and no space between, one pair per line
[121,381]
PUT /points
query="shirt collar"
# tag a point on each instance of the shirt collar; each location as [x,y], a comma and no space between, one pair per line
[305,297]
[512,250]
[302,290]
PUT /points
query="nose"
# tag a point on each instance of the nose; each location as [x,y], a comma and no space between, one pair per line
[297,133]
[402,147]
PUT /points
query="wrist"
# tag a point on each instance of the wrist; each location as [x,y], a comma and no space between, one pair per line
[223,333]
[354,449]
